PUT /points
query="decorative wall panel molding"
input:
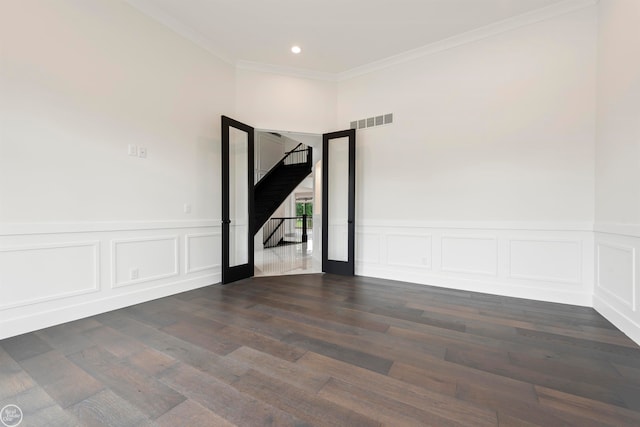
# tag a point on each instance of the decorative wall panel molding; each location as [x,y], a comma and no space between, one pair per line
[469,254]
[28,272]
[367,246]
[409,250]
[558,261]
[202,252]
[137,261]
[616,273]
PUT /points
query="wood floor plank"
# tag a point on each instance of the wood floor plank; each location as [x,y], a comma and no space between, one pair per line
[191,413]
[262,343]
[375,342]
[577,386]
[516,409]
[629,350]
[302,404]
[288,372]
[150,362]
[190,354]
[600,411]
[12,384]
[68,338]
[355,357]
[439,400]
[107,409]
[36,405]
[318,307]
[386,411]
[65,382]
[225,400]
[25,346]
[13,379]
[51,416]
[202,337]
[146,393]
[114,342]
[436,372]
[326,319]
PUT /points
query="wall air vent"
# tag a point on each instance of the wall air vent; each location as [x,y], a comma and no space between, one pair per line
[369,122]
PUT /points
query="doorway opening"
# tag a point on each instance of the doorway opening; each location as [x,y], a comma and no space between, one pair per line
[290,241]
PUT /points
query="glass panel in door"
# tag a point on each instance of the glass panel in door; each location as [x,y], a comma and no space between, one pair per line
[338,196]
[237,200]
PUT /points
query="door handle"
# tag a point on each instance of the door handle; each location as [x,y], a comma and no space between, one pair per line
[350,221]
[226,221]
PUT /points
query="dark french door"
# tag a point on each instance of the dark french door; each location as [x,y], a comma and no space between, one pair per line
[338,202]
[237,200]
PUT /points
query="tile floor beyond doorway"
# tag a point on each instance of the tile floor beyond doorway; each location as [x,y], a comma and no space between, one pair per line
[295,258]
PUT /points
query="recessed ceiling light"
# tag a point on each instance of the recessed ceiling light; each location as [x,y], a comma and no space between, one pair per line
[296,49]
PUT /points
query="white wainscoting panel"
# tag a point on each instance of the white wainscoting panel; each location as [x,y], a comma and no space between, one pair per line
[547,262]
[617,290]
[202,252]
[409,250]
[368,247]
[555,261]
[154,258]
[469,254]
[56,273]
[616,272]
[27,273]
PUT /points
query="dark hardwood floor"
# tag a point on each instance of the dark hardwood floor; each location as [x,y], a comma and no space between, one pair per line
[328,351]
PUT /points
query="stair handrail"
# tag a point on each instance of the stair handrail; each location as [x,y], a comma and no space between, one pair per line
[282,161]
[274,230]
[278,228]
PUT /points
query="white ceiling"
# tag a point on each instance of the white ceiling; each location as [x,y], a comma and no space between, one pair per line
[336,35]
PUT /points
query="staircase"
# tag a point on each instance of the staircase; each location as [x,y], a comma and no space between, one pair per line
[281,180]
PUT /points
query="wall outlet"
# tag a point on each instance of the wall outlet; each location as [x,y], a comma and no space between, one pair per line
[132,150]
[142,152]
[187,208]
[134,274]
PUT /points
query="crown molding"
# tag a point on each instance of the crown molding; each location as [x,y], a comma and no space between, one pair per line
[151,10]
[509,24]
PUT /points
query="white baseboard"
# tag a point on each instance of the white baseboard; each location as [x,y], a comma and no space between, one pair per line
[615,316]
[474,285]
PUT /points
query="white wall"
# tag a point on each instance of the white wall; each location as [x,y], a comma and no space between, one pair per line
[485,179]
[80,82]
[617,195]
[272,101]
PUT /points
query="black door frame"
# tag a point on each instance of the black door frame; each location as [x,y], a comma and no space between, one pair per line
[232,274]
[346,268]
